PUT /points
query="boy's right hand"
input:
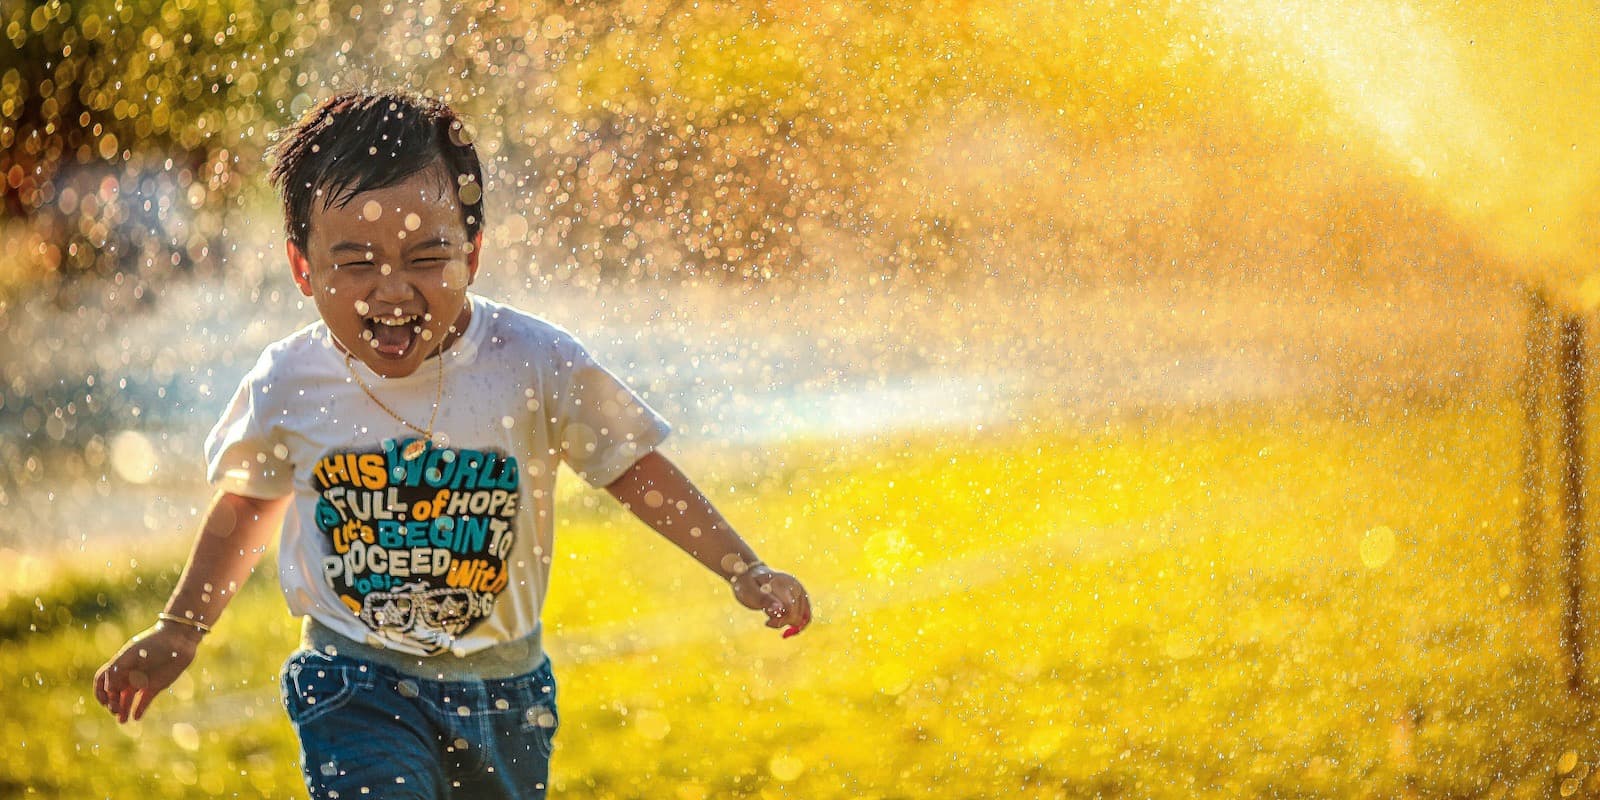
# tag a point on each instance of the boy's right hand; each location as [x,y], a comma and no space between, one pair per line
[146,665]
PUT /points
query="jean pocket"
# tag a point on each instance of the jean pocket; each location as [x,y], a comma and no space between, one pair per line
[315,684]
[528,706]
[541,719]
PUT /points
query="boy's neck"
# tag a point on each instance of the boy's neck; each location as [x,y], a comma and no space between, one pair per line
[457,330]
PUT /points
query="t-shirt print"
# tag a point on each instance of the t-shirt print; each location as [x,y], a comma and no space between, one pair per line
[417,548]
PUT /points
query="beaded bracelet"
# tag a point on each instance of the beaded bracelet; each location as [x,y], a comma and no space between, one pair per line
[748,568]
[199,626]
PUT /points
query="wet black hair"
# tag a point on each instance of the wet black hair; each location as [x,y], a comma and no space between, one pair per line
[360,141]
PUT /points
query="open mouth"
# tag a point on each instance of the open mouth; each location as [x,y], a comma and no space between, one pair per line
[393,336]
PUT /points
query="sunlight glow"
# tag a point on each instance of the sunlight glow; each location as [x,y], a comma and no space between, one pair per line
[1485,108]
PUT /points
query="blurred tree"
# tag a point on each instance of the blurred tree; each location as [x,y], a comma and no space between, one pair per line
[122,123]
[730,138]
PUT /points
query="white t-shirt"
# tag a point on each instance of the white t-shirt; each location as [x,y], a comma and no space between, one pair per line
[449,551]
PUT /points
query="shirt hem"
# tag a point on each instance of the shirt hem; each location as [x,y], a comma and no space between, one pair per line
[503,660]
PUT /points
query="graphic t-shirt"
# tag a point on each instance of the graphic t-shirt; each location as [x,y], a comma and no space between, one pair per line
[448,549]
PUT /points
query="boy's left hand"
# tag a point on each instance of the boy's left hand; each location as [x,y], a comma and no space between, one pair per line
[778,594]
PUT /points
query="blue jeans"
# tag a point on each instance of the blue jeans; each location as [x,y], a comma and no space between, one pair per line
[367,730]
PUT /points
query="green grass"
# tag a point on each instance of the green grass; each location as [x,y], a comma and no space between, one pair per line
[1198,606]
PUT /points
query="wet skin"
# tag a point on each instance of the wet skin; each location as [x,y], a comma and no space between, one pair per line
[399,254]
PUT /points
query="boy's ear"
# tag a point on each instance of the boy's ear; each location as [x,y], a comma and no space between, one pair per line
[299,267]
[472,257]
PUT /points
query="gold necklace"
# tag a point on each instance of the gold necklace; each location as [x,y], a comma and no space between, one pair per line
[416,448]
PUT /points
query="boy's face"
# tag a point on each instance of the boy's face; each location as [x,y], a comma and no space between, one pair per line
[389,271]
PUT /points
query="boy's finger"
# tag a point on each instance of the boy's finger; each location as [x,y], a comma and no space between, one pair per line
[805,618]
[124,704]
[100,687]
[112,693]
[797,627]
[784,615]
[775,615]
[109,695]
[799,606]
[144,702]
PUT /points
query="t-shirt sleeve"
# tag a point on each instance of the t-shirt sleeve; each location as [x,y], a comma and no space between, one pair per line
[603,427]
[245,452]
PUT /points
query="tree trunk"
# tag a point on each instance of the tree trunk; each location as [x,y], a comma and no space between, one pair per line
[1572,493]
[1531,391]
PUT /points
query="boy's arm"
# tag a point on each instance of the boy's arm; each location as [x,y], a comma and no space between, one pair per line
[664,498]
[236,532]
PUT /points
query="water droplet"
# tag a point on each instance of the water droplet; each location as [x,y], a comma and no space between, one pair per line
[186,736]
[133,457]
[1377,547]
[413,221]
[1567,762]
[1181,645]
[891,677]
[371,211]
[786,767]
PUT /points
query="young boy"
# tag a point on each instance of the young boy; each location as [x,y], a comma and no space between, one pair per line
[409,442]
